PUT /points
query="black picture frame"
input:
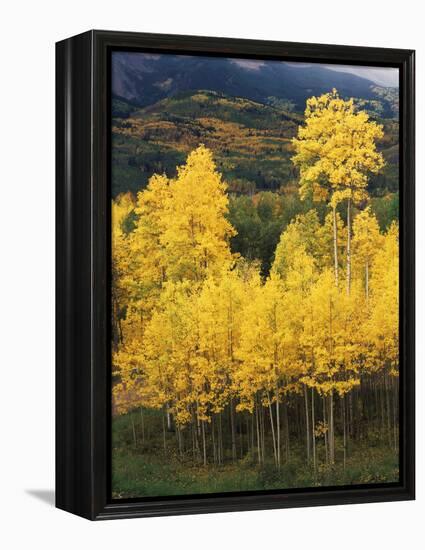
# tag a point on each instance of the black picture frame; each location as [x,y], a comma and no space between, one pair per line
[83,265]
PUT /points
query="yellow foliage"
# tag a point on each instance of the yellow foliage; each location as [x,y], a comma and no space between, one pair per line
[196,327]
[336,149]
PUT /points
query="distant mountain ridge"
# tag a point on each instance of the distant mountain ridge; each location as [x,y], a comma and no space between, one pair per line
[144,79]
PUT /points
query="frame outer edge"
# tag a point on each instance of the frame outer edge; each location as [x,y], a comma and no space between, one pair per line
[74,388]
[408,274]
[82,198]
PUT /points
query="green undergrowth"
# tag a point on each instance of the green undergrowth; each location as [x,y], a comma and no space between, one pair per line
[146,470]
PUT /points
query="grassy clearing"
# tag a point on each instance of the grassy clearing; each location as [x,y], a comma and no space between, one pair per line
[145,470]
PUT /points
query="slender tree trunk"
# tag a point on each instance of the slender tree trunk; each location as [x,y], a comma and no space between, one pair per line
[245,426]
[168,419]
[395,420]
[331,430]
[193,440]
[387,396]
[278,426]
[325,422]
[286,422]
[213,440]
[349,246]
[164,434]
[232,424]
[143,424]
[335,242]
[198,422]
[180,441]
[134,430]
[258,432]
[313,435]
[376,397]
[250,432]
[344,430]
[196,434]
[261,424]
[240,434]
[272,427]
[307,424]
[382,406]
[204,443]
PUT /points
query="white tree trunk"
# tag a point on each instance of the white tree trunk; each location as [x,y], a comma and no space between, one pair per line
[348,246]
[134,431]
[307,423]
[335,241]
[331,430]
[272,427]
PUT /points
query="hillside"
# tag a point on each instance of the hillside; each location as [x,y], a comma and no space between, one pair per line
[251,141]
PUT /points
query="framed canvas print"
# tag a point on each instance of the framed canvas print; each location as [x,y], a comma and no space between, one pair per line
[235,275]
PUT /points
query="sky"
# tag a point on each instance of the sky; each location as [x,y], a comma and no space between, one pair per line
[382,76]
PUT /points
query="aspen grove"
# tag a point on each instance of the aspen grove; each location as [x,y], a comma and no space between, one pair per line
[242,365]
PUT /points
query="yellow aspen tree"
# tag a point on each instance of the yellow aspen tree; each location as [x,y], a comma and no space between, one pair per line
[137,263]
[147,270]
[180,234]
[305,231]
[196,233]
[201,337]
[122,207]
[298,284]
[263,354]
[325,241]
[335,151]
[367,240]
[382,328]
[169,369]
[220,307]
[301,233]
[381,331]
[333,326]
[296,265]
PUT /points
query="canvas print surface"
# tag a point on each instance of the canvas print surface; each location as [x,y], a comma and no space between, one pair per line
[255,275]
